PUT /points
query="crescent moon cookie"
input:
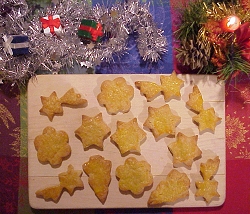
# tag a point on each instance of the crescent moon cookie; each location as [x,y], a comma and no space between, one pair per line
[116,95]
[161,121]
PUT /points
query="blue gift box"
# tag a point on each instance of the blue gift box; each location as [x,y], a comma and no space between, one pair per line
[16,44]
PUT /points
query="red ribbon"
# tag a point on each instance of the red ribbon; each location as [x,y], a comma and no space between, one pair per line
[95,32]
[243,39]
[51,23]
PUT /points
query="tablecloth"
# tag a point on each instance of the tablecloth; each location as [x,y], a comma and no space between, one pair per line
[13,138]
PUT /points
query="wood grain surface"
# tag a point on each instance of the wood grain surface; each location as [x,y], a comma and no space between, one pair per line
[155,152]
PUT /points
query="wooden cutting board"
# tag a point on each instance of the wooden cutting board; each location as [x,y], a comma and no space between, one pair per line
[154,152]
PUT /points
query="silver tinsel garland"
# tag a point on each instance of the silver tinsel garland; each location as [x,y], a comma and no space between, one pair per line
[53,53]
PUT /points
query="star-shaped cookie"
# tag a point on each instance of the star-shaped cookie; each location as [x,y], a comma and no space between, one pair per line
[184,149]
[161,121]
[93,131]
[51,105]
[128,136]
[71,179]
[206,119]
[171,85]
[207,189]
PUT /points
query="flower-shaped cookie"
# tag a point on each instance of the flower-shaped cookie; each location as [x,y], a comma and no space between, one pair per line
[174,187]
[52,146]
[116,95]
[128,136]
[93,131]
[134,175]
[51,105]
[171,85]
[184,149]
[161,121]
[98,169]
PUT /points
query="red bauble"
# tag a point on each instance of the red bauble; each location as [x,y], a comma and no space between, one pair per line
[230,23]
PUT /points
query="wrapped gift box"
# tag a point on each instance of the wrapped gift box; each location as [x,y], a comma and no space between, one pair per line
[16,44]
[90,30]
[52,25]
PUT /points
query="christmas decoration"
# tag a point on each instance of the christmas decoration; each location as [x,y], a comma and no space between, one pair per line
[16,44]
[51,25]
[90,30]
[213,38]
[57,39]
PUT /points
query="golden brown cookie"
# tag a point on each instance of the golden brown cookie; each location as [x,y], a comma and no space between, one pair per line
[73,98]
[52,146]
[171,86]
[209,169]
[134,175]
[50,193]
[116,95]
[206,120]
[161,121]
[71,179]
[176,186]
[184,149]
[51,106]
[93,131]
[208,187]
[99,171]
[149,89]
[128,136]
[195,101]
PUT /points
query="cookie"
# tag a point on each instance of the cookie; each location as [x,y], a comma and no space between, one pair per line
[73,98]
[116,95]
[208,187]
[195,101]
[93,131]
[52,146]
[171,86]
[161,121]
[98,169]
[128,136]
[149,89]
[50,193]
[207,120]
[184,149]
[71,179]
[51,106]
[174,187]
[134,176]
